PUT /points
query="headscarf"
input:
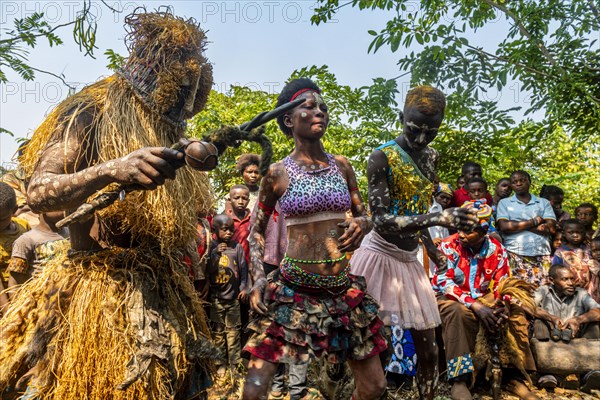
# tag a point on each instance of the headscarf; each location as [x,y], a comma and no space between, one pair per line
[444,188]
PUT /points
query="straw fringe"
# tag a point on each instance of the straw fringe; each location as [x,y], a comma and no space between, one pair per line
[84,328]
[514,340]
[167,214]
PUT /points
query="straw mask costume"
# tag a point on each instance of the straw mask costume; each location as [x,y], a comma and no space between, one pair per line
[116,316]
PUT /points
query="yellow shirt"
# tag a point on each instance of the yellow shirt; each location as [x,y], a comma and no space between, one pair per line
[6,243]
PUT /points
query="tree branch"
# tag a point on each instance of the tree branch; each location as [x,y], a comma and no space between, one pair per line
[59,77]
[523,30]
[594,9]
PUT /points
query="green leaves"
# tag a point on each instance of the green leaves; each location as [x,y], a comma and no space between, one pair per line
[115,60]
[550,51]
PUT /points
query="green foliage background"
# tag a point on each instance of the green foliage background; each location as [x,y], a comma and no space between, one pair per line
[363,118]
[549,47]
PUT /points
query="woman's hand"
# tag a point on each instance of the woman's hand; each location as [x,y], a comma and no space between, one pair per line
[459,218]
[257,295]
[356,229]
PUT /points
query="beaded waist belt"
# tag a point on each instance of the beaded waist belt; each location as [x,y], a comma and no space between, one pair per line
[292,273]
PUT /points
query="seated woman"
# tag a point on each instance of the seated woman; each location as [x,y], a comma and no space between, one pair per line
[313,306]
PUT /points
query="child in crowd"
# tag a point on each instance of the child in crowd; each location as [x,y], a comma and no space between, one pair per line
[595,265]
[442,199]
[34,247]
[575,254]
[469,171]
[477,188]
[248,165]
[556,241]
[555,196]
[239,196]
[10,229]
[503,190]
[460,182]
[587,214]
[228,276]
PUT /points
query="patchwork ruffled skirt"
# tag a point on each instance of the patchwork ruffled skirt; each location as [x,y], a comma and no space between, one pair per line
[304,323]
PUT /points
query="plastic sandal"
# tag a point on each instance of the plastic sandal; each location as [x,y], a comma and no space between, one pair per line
[566,335]
[279,396]
[555,334]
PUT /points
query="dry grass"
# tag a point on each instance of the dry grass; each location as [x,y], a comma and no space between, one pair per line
[85,326]
[229,390]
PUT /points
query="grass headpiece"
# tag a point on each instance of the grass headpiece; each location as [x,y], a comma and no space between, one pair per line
[165,64]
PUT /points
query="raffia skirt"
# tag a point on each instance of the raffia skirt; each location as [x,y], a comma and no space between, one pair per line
[302,324]
[397,280]
[120,324]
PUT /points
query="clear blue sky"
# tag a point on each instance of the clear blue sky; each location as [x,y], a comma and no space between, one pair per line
[253,43]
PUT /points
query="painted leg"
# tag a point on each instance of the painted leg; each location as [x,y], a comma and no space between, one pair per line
[368,378]
[258,379]
[427,359]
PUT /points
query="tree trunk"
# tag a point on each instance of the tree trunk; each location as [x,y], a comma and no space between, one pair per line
[578,356]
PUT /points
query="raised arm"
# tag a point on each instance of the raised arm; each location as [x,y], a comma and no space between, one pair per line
[379,201]
[67,173]
[358,226]
[272,186]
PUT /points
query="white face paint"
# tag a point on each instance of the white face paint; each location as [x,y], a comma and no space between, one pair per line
[320,102]
[303,114]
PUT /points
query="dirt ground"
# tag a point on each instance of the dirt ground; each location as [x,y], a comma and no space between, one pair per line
[322,388]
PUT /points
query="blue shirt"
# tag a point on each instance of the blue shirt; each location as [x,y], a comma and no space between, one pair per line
[525,243]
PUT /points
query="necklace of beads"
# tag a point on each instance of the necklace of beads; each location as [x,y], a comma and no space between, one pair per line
[329,261]
[298,276]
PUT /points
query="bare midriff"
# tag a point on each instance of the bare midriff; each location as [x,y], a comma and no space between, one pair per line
[317,241]
[403,242]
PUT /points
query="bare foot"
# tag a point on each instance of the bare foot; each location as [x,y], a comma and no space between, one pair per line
[460,391]
[520,389]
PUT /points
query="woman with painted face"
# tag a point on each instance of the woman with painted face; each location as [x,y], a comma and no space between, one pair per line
[401,175]
[312,305]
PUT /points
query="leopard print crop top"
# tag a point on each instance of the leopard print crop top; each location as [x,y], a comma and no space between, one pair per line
[314,195]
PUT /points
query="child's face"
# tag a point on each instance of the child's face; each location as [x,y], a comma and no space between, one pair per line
[557,241]
[556,203]
[472,172]
[5,217]
[225,231]
[444,199]
[585,215]
[573,234]
[595,249]
[460,182]
[251,175]
[239,200]
[503,188]
[476,190]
